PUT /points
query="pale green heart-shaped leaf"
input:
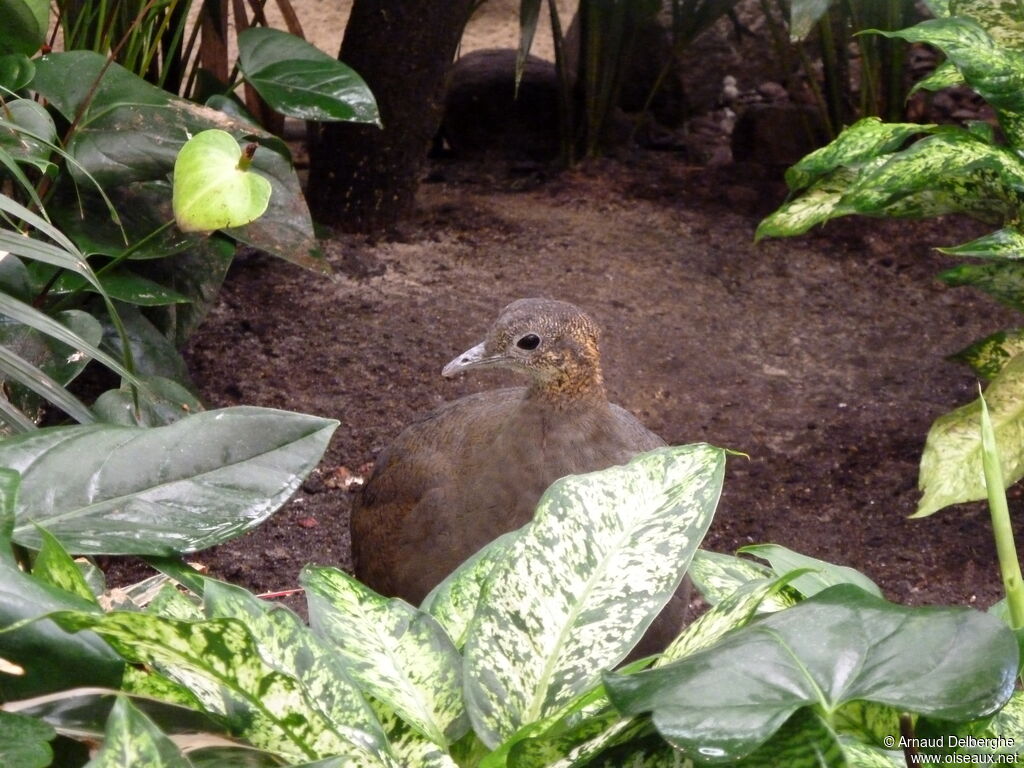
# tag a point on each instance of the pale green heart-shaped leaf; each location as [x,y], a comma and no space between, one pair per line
[453,602]
[24,23]
[399,655]
[131,131]
[275,712]
[24,741]
[131,738]
[725,701]
[289,646]
[988,356]
[212,188]
[299,80]
[580,585]
[179,488]
[820,575]
[951,465]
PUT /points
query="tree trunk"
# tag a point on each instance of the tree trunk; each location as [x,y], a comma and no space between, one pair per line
[363,178]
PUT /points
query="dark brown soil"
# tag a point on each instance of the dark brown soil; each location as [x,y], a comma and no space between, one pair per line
[821,357]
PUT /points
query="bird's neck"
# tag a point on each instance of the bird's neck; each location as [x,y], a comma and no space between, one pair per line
[570,390]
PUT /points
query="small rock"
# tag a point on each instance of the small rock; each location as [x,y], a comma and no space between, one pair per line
[308,522]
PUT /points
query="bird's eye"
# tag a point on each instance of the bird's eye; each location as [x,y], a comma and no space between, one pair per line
[529,341]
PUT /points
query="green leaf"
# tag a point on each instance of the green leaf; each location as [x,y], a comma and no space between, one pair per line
[24,741]
[951,468]
[946,75]
[162,402]
[52,659]
[580,585]
[122,284]
[399,655]
[289,646]
[24,23]
[1002,19]
[133,739]
[717,576]
[214,187]
[299,80]
[822,574]
[10,482]
[996,72]
[804,740]
[159,124]
[988,356]
[27,132]
[53,565]
[453,602]
[1002,280]
[153,353]
[273,709]
[1005,243]
[865,140]
[16,71]
[729,699]
[179,488]
[818,204]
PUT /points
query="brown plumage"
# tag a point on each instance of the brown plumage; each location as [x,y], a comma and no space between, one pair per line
[476,467]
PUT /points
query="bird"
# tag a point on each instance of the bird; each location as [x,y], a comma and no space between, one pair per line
[476,467]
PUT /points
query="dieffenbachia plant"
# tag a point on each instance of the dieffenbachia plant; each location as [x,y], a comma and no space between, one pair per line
[906,170]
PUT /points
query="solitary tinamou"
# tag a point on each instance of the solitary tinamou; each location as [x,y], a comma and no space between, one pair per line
[475,468]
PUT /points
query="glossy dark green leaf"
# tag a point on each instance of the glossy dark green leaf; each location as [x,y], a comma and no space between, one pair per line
[132,131]
[821,574]
[164,401]
[180,488]
[24,741]
[53,660]
[24,23]
[122,284]
[16,71]
[27,132]
[152,352]
[299,80]
[14,278]
[840,645]
[988,356]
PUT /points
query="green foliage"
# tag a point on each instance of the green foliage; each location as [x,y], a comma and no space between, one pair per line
[870,169]
[378,682]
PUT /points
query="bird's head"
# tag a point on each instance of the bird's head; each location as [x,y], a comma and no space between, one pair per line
[554,342]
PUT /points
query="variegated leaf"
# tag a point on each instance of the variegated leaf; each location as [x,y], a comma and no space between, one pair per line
[278,715]
[946,75]
[993,69]
[805,741]
[951,172]
[1002,280]
[583,581]
[453,601]
[863,141]
[820,575]
[1002,19]
[939,8]
[133,739]
[860,755]
[867,721]
[988,356]
[1005,243]
[951,468]
[717,575]
[289,646]
[398,654]
[410,747]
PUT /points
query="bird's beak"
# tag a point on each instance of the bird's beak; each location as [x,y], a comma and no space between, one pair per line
[474,357]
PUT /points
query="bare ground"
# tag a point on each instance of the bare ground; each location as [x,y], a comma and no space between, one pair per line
[822,357]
